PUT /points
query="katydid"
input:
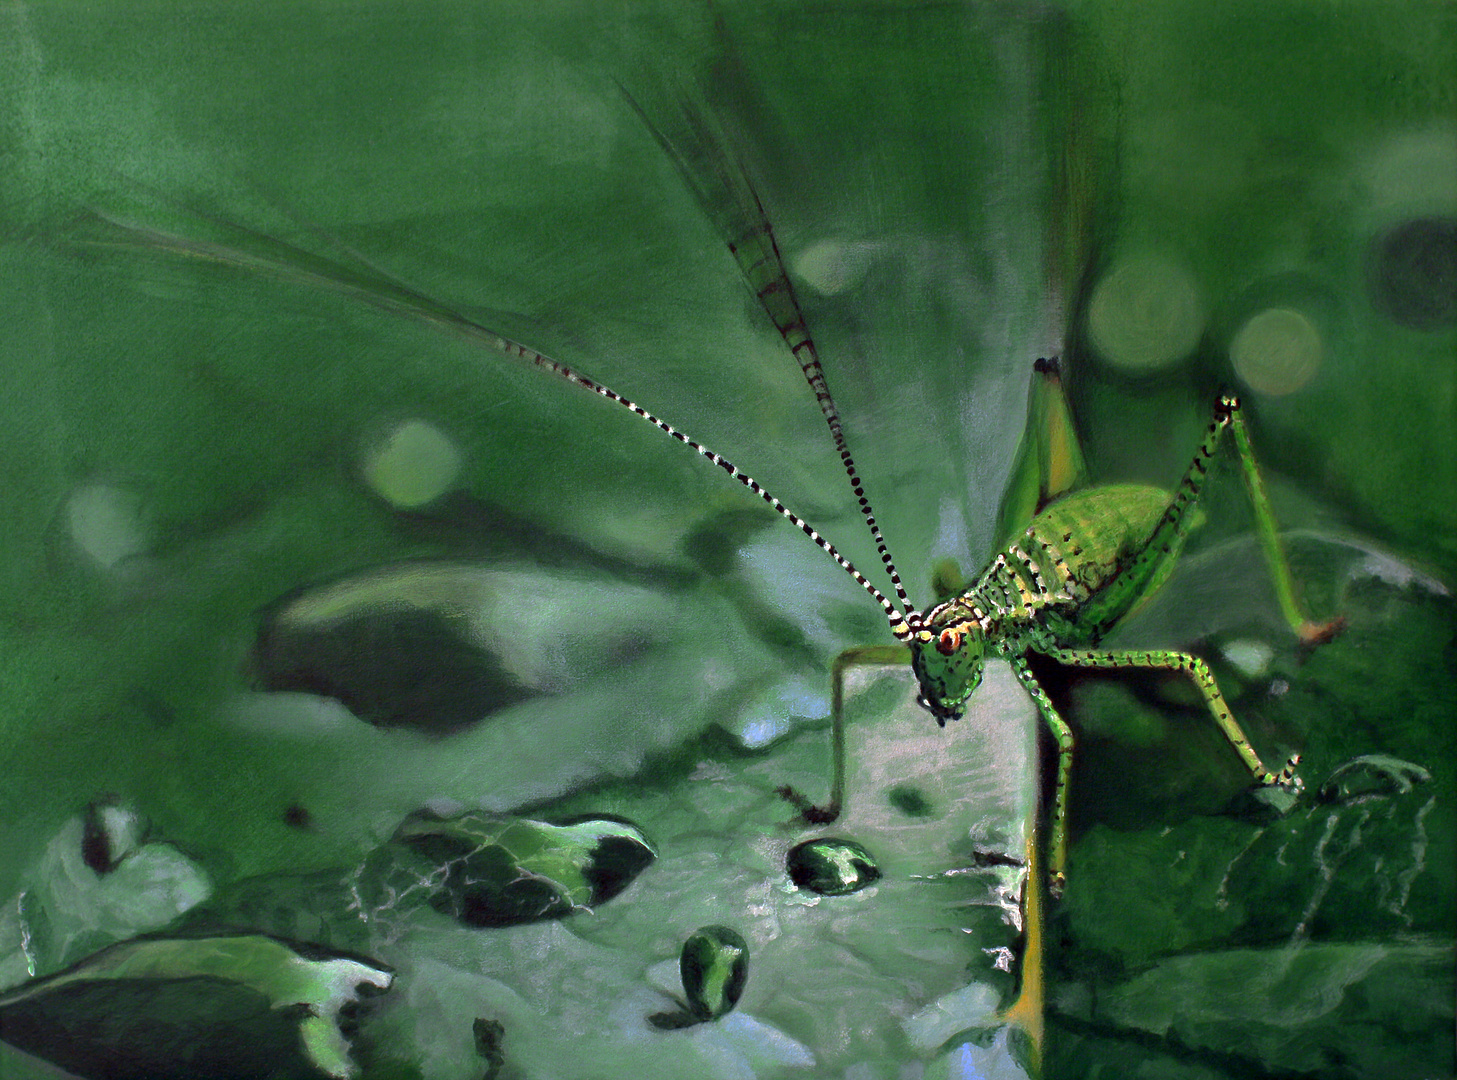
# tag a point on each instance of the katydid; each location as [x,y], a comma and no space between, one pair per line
[1084,561]
[1080,566]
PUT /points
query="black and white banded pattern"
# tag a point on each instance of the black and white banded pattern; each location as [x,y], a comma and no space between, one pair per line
[718,180]
[900,625]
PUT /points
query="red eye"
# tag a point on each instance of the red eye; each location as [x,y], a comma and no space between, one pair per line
[948,642]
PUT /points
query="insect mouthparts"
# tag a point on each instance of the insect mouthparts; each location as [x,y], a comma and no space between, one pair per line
[940,714]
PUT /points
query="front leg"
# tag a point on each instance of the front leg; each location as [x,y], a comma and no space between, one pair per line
[866,656]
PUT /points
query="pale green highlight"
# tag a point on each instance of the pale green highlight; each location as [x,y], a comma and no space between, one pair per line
[1277,351]
[413,465]
[1146,313]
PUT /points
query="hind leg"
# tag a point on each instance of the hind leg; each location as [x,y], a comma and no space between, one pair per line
[1309,631]
[1155,561]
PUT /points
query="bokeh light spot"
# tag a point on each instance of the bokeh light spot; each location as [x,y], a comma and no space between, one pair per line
[1146,313]
[413,465]
[832,266]
[1412,272]
[106,523]
[1277,351]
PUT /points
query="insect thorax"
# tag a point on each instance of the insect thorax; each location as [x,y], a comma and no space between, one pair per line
[1062,582]
[1013,608]
[1001,614]
[1016,604]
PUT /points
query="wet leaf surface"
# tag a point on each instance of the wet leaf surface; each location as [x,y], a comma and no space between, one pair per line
[230,1007]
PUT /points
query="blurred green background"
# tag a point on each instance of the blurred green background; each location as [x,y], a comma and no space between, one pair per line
[1174,197]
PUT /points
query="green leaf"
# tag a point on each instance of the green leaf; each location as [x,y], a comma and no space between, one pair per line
[232,1006]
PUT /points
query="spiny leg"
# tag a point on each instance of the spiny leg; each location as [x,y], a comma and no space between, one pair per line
[1151,566]
[866,656]
[1155,561]
[1057,832]
[1198,670]
[1309,632]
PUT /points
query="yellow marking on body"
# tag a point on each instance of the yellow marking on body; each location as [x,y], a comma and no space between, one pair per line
[1034,570]
[1028,597]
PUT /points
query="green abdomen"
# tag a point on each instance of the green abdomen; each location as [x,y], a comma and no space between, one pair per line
[1082,564]
[1097,530]
[1091,542]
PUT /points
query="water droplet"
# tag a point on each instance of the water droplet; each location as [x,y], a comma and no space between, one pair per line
[715,966]
[831,866]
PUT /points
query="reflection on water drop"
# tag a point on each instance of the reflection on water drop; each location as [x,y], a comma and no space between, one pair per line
[831,866]
[1277,351]
[1146,313]
[715,966]
[411,466]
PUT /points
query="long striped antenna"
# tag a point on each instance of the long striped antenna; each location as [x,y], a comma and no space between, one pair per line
[377,288]
[719,181]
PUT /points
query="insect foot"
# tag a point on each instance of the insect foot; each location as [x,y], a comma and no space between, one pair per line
[1272,796]
[1056,883]
[1286,776]
[812,814]
[1312,634]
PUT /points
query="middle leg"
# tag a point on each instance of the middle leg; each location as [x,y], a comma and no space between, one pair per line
[1198,671]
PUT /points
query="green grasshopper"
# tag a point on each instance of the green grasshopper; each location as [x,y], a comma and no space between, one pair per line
[1061,582]
[1083,562]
